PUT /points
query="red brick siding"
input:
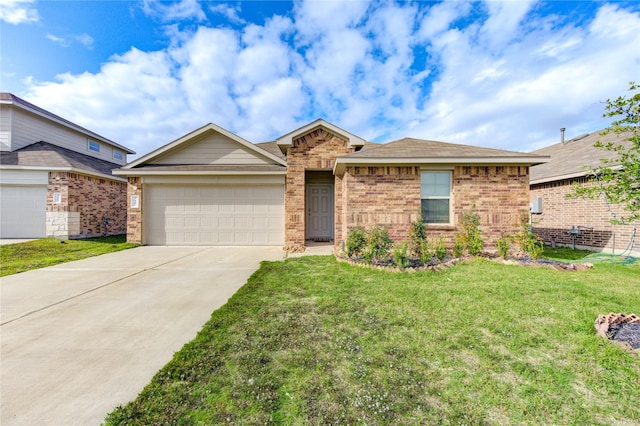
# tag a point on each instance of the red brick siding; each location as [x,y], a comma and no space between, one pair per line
[390,196]
[560,213]
[93,198]
[315,151]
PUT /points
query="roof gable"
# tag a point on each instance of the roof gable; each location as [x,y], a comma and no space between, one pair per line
[287,140]
[208,145]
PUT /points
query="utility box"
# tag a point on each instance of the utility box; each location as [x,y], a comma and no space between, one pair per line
[536,206]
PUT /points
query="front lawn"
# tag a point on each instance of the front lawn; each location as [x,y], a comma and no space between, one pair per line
[314,341]
[37,254]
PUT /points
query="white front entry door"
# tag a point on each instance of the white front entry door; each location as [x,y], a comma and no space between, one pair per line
[320,212]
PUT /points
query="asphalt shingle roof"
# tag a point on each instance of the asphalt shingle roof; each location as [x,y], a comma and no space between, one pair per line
[46,155]
[574,157]
[419,148]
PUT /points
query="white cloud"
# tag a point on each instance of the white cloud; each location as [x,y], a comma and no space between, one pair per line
[84,39]
[57,40]
[382,71]
[174,10]
[18,11]
[231,13]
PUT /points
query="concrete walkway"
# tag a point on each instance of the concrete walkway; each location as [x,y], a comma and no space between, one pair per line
[7,241]
[81,338]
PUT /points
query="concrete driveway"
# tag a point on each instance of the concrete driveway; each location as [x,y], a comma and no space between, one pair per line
[81,338]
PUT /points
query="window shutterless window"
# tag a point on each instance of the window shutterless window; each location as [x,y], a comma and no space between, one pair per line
[93,146]
[435,195]
[117,155]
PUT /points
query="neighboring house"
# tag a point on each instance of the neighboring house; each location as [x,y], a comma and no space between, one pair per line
[55,176]
[583,222]
[212,187]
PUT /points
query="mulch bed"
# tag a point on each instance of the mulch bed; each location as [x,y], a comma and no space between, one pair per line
[436,265]
[621,328]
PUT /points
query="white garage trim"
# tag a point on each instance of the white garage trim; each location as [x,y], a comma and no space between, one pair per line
[213,214]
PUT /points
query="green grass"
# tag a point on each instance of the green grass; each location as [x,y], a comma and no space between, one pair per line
[313,341]
[37,254]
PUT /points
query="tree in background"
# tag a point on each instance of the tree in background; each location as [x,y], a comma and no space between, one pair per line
[619,178]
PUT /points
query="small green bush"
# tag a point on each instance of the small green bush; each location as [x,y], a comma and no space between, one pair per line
[458,245]
[356,241]
[400,255]
[469,238]
[418,236]
[440,248]
[503,245]
[425,252]
[378,244]
[529,242]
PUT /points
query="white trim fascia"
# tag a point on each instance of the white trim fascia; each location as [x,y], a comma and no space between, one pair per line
[287,140]
[66,123]
[64,169]
[138,172]
[568,176]
[342,162]
[197,132]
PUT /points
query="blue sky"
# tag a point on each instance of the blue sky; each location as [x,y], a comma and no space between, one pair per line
[502,74]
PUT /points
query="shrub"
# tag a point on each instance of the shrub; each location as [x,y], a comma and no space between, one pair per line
[458,245]
[469,239]
[529,242]
[425,252]
[400,255]
[356,241]
[378,244]
[503,245]
[440,248]
[418,236]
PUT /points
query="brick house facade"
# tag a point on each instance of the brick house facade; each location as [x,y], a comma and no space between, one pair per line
[56,177]
[570,163]
[87,206]
[330,181]
[592,217]
[500,194]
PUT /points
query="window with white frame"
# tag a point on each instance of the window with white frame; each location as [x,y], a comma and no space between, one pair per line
[117,155]
[93,146]
[435,195]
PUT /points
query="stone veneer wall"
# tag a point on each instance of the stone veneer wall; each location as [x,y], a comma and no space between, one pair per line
[134,215]
[85,201]
[316,150]
[561,213]
[390,196]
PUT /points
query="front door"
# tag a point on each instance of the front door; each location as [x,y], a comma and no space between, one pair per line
[319,212]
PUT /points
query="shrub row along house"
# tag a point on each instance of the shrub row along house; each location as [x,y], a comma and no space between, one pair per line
[55,176]
[579,222]
[211,187]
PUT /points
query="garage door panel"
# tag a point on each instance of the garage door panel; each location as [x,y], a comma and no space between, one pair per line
[214,215]
[23,211]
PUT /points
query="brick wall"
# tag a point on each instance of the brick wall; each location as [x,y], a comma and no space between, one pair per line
[561,213]
[134,215]
[85,202]
[390,196]
[316,150]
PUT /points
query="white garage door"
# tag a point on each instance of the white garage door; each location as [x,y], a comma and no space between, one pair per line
[214,215]
[23,211]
